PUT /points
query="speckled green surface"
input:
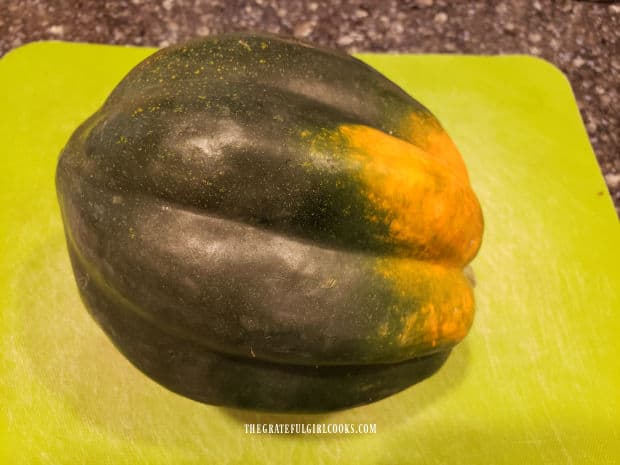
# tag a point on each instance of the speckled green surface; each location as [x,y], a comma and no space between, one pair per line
[535,381]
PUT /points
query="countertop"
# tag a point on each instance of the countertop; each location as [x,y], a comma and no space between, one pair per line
[580,38]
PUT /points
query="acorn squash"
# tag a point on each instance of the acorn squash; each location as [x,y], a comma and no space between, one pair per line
[260,223]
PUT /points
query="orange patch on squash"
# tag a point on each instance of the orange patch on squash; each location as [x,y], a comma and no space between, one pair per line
[426,201]
[445,303]
[425,132]
[420,189]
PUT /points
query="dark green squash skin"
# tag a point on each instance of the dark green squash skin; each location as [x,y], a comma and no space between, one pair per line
[190,369]
[217,264]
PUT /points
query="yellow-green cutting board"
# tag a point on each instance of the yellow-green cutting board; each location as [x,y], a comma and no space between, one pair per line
[536,381]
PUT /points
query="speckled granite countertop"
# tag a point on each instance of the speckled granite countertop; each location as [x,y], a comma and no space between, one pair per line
[581,38]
